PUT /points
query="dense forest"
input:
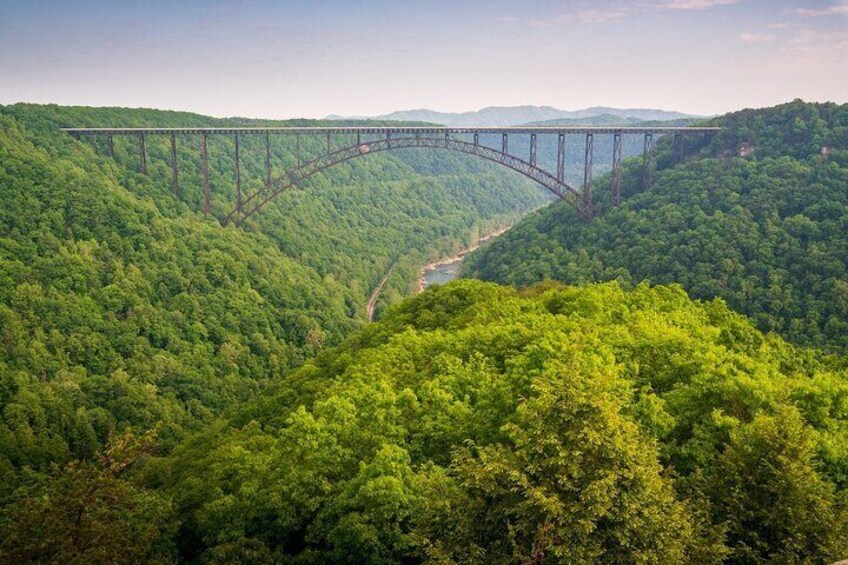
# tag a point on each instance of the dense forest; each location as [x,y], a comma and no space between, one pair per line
[477,423]
[176,391]
[767,232]
[121,306]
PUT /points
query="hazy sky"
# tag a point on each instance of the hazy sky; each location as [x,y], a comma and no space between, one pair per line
[311,58]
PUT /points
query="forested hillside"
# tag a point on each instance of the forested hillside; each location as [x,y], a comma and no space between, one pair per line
[478,423]
[767,232]
[121,306]
[173,390]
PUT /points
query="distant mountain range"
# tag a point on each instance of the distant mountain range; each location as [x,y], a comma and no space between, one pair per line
[520,115]
[613,120]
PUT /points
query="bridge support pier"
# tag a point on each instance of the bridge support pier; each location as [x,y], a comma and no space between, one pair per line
[647,162]
[616,169]
[505,143]
[297,149]
[268,161]
[142,154]
[204,163]
[110,145]
[587,168]
[476,139]
[174,172]
[238,181]
[533,149]
[560,173]
[678,148]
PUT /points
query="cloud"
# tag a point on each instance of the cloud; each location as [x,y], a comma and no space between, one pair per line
[813,51]
[756,37]
[600,16]
[618,10]
[835,10]
[695,4]
[590,16]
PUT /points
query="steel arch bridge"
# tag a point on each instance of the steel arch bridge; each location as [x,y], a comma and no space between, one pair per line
[369,140]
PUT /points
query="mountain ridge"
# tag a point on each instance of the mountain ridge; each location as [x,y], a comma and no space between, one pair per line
[518,115]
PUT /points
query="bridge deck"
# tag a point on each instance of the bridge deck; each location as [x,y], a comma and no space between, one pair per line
[659,130]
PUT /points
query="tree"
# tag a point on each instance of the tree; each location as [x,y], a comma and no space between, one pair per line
[88,512]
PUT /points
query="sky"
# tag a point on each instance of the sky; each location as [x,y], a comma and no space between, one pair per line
[311,58]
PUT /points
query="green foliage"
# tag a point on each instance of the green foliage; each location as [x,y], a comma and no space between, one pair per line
[121,306]
[476,423]
[88,513]
[768,233]
[616,423]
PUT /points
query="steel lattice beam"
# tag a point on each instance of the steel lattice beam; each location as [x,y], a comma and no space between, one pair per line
[587,167]
[409,136]
[174,172]
[142,154]
[616,169]
[204,164]
[647,162]
[565,192]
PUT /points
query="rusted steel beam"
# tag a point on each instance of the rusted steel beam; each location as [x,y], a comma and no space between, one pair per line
[587,167]
[297,150]
[678,148]
[238,180]
[204,163]
[268,160]
[142,154]
[174,172]
[616,169]
[560,172]
[571,195]
[533,149]
[647,162]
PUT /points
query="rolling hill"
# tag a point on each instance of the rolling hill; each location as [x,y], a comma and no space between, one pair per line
[765,232]
[518,115]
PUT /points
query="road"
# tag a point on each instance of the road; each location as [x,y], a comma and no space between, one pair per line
[372,301]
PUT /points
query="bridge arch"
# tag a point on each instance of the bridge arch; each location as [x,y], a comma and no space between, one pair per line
[253,203]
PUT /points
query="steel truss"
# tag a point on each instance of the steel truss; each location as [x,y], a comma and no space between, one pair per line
[296,175]
[403,137]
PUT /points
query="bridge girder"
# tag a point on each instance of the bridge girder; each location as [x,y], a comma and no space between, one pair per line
[296,175]
[402,137]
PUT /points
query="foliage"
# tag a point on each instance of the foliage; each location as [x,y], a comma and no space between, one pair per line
[121,306]
[768,233]
[88,513]
[614,423]
[556,424]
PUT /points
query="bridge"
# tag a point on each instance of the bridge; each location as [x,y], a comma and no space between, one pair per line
[361,141]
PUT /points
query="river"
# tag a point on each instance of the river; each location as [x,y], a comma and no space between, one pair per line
[447,268]
[438,272]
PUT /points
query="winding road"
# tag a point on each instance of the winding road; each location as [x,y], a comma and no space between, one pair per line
[372,300]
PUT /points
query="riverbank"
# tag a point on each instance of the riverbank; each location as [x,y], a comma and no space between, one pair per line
[456,258]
